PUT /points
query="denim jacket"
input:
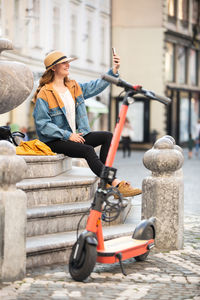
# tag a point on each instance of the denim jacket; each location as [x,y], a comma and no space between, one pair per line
[50,114]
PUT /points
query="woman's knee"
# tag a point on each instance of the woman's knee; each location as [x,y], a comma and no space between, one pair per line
[109,136]
[89,151]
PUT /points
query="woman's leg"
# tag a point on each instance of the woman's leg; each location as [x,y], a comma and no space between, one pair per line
[124,146]
[78,150]
[129,145]
[97,138]
[197,146]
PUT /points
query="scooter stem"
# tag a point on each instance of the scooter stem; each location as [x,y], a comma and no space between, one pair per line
[116,136]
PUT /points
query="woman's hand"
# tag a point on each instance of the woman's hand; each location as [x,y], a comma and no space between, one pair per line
[116,63]
[76,137]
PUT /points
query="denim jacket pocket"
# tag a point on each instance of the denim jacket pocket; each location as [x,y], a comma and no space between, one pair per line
[55,112]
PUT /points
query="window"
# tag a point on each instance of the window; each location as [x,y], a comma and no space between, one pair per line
[181,64]
[193,67]
[73,35]
[36,23]
[102,45]
[0,18]
[136,116]
[172,8]
[196,12]
[17,31]
[183,11]
[195,109]
[89,41]
[56,27]
[184,117]
[170,62]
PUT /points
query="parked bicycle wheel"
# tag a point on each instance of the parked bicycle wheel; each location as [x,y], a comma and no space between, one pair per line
[80,270]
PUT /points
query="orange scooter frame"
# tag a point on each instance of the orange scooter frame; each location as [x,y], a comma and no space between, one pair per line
[126,247]
[121,248]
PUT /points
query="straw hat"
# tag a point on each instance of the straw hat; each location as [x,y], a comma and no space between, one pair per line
[56,57]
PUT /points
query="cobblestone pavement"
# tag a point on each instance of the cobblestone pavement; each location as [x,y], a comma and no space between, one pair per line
[168,275]
[173,275]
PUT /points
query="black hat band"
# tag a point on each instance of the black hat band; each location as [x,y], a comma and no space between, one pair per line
[56,61]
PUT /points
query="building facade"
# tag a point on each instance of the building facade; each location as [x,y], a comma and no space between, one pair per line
[159,45]
[182,67]
[158,42]
[77,27]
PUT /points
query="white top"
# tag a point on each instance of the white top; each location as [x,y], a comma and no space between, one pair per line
[70,109]
[126,132]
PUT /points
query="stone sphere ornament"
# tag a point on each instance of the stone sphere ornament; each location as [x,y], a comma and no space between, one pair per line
[165,157]
[16,81]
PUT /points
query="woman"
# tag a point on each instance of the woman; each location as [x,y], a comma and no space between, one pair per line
[61,119]
[126,137]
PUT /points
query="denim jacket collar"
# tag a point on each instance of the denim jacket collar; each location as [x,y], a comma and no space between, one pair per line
[70,84]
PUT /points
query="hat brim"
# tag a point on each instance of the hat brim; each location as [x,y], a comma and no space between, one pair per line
[67,59]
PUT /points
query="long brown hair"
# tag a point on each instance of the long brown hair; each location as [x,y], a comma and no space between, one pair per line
[47,77]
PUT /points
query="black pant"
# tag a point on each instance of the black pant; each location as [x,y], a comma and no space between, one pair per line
[86,150]
[126,142]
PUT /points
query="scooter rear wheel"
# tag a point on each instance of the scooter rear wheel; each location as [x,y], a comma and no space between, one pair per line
[148,234]
[80,270]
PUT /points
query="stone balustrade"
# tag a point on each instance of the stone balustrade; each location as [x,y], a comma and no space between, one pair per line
[12,214]
[16,83]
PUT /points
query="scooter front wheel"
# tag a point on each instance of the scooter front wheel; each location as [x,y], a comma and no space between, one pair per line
[80,270]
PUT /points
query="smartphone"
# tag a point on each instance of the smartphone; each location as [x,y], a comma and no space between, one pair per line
[113,51]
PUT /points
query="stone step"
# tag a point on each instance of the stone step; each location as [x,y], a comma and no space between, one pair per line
[64,217]
[56,218]
[75,185]
[47,165]
[56,248]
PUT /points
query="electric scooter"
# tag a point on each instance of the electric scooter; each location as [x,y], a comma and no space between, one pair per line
[90,246]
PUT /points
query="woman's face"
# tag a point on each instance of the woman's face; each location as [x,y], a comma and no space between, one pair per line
[61,69]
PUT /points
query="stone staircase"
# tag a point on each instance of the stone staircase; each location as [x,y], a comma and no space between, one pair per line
[58,194]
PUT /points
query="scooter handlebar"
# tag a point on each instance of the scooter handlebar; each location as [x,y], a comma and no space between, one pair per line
[111,79]
[163,99]
[152,95]
[120,82]
[137,88]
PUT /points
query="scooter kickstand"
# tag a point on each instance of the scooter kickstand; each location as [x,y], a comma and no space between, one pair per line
[119,256]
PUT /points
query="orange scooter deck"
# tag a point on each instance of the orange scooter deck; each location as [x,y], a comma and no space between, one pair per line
[126,245]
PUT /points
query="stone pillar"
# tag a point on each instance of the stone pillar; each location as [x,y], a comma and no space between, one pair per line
[162,196]
[12,215]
